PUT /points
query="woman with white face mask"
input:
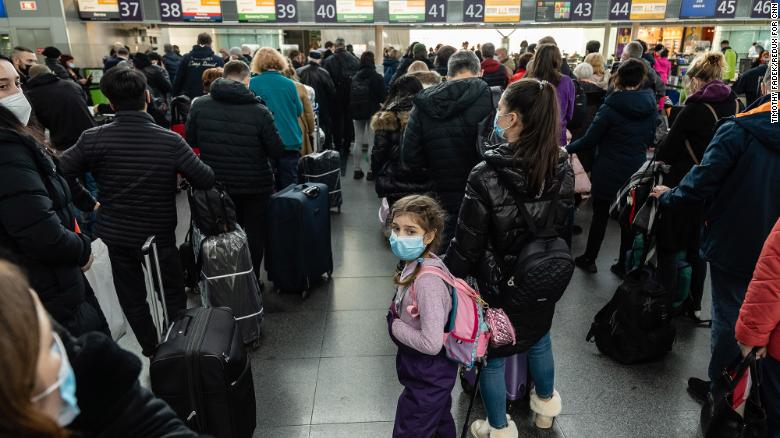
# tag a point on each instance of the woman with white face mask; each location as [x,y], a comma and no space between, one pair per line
[57,386]
[38,227]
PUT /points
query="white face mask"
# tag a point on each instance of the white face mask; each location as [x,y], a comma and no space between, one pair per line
[19,105]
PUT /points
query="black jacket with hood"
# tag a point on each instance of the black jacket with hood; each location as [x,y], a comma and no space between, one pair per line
[622,130]
[189,77]
[318,78]
[341,66]
[441,136]
[365,108]
[60,105]
[236,136]
[491,232]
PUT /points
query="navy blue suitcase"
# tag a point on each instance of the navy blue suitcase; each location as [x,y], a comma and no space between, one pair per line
[299,249]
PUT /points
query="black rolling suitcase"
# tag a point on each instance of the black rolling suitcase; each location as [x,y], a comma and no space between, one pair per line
[299,248]
[200,367]
[323,167]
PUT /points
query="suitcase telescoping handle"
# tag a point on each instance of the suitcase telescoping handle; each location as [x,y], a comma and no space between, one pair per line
[157,297]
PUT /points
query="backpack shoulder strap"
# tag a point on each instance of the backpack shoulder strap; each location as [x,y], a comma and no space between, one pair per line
[691,153]
[714,113]
[446,277]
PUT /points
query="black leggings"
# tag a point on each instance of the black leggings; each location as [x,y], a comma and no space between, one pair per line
[598,227]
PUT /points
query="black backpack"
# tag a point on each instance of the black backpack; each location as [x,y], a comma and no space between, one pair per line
[212,211]
[485,139]
[544,267]
[580,108]
[359,95]
[636,324]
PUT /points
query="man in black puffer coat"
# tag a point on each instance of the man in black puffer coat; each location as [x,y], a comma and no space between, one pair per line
[441,135]
[341,66]
[189,77]
[318,78]
[135,162]
[60,105]
[237,136]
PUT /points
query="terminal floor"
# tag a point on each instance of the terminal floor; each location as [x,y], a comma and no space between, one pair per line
[326,367]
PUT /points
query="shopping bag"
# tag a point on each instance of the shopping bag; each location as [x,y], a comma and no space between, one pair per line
[102,281]
[581,180]
[733,408]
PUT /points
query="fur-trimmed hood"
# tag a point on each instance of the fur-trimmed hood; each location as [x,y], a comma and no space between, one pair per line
[389,120]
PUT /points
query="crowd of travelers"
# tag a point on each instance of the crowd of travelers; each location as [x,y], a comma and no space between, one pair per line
[474,151]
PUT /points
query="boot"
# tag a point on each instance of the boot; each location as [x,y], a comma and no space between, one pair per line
[482,429]
[546,410]
[510,431]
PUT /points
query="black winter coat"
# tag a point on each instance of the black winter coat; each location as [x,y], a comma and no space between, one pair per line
[341,66]
[113,403]
[134,163]
[189,77]
[57,68]
[158,80]
[324,90]
[37,223]
[171,62]
[441,136]
[394,181]
[236,136]
[363,110]
[622,130]
[594,96]
[680,228]
[390,65]
[60,105]
[749,81]
[491,232]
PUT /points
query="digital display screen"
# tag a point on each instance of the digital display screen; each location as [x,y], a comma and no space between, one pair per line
[571,10]
[98,9]
[201,10]
[256,11]
[708,8]
[648,10]
[502,11]
[407,11]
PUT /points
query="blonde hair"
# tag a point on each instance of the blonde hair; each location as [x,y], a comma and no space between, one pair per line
[210,75]
[430,216]
[707,67]
[267,59]
[289,71]
[597,62]
[417,66]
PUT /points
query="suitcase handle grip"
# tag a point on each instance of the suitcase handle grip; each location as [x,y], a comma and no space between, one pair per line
[311,191]
[147,246]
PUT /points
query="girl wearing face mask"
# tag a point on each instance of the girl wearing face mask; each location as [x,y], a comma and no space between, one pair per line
[56,386]
[528,168]
[417,326]
[38,226]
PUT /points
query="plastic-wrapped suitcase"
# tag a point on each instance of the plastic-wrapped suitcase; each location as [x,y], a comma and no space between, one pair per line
[202,371]
[228,280]
[516,375]
[298,249]
[323,167]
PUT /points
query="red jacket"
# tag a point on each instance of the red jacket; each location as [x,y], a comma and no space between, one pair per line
[759,318]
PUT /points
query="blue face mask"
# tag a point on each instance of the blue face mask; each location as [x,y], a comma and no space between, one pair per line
[66,382]
[407,248]
[497,130]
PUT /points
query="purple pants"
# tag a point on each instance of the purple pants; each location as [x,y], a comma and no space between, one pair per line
[424,406]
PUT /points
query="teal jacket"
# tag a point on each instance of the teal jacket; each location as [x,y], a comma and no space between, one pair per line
[281,97]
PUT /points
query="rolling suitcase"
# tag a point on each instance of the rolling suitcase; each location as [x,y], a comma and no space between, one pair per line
[298,247]
[323,167]
[516,375]
[228,280]
[202,371]
[155,292]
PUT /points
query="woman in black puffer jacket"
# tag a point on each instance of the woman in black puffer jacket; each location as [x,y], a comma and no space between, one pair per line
[388,125]
[491,232]
[38,226]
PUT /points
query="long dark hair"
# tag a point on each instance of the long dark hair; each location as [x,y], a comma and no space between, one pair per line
[409,53]
[367,59]
[403,87]
[547,64]
[537,104]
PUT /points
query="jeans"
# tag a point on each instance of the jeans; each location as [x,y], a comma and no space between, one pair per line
[364,135]
[598,227]
[131,290]
[770,394]
[250,214]
[492,380]
[728,292]
[287,169]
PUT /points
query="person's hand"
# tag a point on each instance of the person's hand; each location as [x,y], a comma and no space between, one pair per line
[746,349]
[97,206]
[658,191]
[87,267]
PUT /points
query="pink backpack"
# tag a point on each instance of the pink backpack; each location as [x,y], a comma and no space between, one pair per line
[467,334]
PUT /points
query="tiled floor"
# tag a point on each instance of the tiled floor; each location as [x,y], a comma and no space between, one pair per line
[326,366]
